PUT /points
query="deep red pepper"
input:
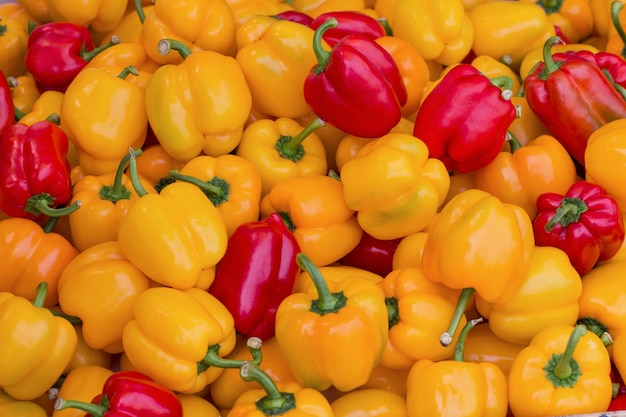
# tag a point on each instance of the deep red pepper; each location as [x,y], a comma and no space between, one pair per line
[58,51]
[256,273]
[295,16]
[129,394]
[465,118]
[611,64]
[348,22]
[371,254]
[572,98]
[7,112]
[34,171]
[356,86]
[585,223]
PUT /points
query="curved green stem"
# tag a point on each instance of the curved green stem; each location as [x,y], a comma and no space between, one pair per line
[384,22]
[40,295]
[133,174]
[166,45]
[89,55]
[513,142]
[212,357]
[74,321]
[43,204]
[616,8]
[598,328]
[95,410]
[216,189]
[326,302]
[459,348]
[549,64]
[139,9]
[569,212]
[274,403]
[290,147]
[562,369]
[18,114]
[550,6]
[131,69]
[503,82]
[321,54]
[53,118]
[118,191]
[446,337]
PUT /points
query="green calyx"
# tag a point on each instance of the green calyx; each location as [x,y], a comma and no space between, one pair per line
[44,204]
[212,358]
[274,403]
[568,212]
[326,302]
[216,189]
[290,147]
[393,313]
[562,370]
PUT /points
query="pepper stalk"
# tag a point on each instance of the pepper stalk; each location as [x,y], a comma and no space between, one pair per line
[274,402]
[446,337]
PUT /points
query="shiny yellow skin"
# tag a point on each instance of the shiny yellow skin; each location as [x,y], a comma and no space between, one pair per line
[605,159]
[527,126]
[155,163]
[492,68]
[531,393]
[24,92]
[424,311]
[409,250]
[482,345]
[119,56]
[46,105]
[207,25]
[104,312]
[13,10]
[31,365]
[14,408]
[511,28]
[542,166]
[103,115]
[172,331]
[548,296]
[334,273]
[37,8]
[319,214]
[372,402]
[129,29]
[394,185]
[452,387]
[98,15]
[258,145]
[574,18]
[82,384]
[601,12]
[316,7]
[276,56]
[13,44]
[242,204]
[480,242]
[176,237]
[320,348]
[390,380]
[535,55]
[85,355]
[440,31]
[196,406]
[199,106]
[246,9]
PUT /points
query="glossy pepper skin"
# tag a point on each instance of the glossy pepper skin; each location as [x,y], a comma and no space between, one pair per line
[257,272]
[364,401]
[7,115]
[371,254]
[574,18]
[472,116]
[348,22]
[98,15]
[13,42]
[356,86]
[585,223]
[129,393]
[82,384]
[11,407]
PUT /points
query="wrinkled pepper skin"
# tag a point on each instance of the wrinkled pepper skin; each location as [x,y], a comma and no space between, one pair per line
[257,272]
[472,115]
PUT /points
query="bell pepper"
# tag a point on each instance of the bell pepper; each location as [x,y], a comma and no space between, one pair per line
[564,370]
[472,114]
[535,56]
[370,401]
[409,250]
[125,54]
[207,25]
[371,254]
[13,10]
[11,407]
[334,273]
[319,356]
[37,8]
[32,255]
[179,338]
[394,185]
[618,400]
[198,106]
[196,406]
[24,92]
[443,34]
[294,16]
[46,107]
[493,68]
[526,127]
[13,43]
[348,22]
[388,379]
[619,363]
[246,9]
[555,89]
[85,355]
[616,36]
[256,273]
[57,52]
[585,223]
[276,56]
[316,7]
[523,174]
[97,15]
[456,386]
[128,393]
[364,101]
[574,18]
[314,207]
[509,30]
[103,132]
[155,164]
[418,310]
[35,171]
[176,237]
[7,112]
[81,384]
[30,369]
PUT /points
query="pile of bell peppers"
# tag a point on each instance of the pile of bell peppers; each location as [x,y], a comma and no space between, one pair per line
[312,208]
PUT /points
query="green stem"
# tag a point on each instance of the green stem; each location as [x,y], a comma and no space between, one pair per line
[40,295]
[326,302]
[89,55]
[549,64]
[568,212]
[384,22]
[393,313]
[550,6]
[166,45]
[139,10]
[505,83]
[274,403]
[213,359]
[598,328]
[131,69]
[216,189]
[118,191]
[564,366]
[74,321]
[134,175]
[50,224]
[53,118]
[513,142]
[616,8]
[95,410]
[459,348]
[18,114]
[321,54]
[446,337]
[43,204]
[290,147]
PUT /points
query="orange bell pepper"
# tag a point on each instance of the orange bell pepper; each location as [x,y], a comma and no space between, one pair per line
[82,384]
[370,401]
[246,9]
[526,126]
[47,106]
[129,28]
[37,8]
[15,11]
[155,163]
[13,44]
[409,250]
[122,55]
[574,18]
[196,406]
[388,379]
[333,273]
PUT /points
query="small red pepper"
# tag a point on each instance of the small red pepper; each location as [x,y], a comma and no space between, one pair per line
[256,273]
[348,22]
[35,172]
[585,223]
[356,87]
[7,111]
[465,118]
[373,255]
[129,394]
[58,51]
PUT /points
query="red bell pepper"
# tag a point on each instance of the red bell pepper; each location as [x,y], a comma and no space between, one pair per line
[348,22]
[585,223]
[465,118]
[618,402]
[7,112]
[356,87]
[58,51]
[34,171]
[295,16]
[572,98]
[128,394]
[257,271]
[371,254]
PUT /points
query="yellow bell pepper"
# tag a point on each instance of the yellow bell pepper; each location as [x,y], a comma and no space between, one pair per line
[246,9]
[196,406]
[493,68]
[122,55]
[508,30]
[24,93]
[370,402]
[333,273]
[98,15]
[315,8]
[394,187]
[330,137]
[31,365]
[482,345]
[103,115]
[129,29]
[179,337]
[521,175]
[46,106]
[82,384]
[11,407]
[307,326]
[409,250]
[85,355]
[441,32]
[15,11]
[388,379]
[105,311]
[564,370]
[548,296]
[574,18]
[526,126]
[314,206]
[13,44]
[276,56]
[36,8]
[601,13]
[535,55]
[198,106]
[176,237]
[207,25]
[155,163]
